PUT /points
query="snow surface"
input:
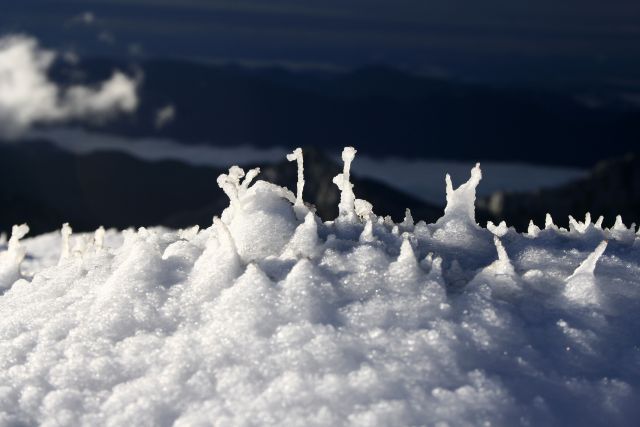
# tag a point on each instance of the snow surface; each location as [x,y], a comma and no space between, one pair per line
[272,317]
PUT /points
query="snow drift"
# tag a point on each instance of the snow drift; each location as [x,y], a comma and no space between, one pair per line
[272,317]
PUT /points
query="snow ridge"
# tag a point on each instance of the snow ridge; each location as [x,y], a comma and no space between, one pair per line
[272,317]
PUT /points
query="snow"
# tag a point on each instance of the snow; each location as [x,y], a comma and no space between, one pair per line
[11,259]
[297,156]
[581,285]
[461,200]
[273,317]
[346,207]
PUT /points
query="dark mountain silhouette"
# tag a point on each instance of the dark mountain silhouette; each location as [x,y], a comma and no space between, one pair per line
[45,186]
[612,188]
[381,111]
[324,194]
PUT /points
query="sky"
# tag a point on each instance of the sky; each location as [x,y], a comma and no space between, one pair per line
[495,40]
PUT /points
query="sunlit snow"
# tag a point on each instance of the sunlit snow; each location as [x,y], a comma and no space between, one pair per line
[273,317]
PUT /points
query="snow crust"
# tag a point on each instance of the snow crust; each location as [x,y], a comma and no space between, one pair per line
[272,317]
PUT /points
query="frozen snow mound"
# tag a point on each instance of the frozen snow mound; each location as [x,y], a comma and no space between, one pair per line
[272,317]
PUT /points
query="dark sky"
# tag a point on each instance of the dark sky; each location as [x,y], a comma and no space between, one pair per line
[491,40]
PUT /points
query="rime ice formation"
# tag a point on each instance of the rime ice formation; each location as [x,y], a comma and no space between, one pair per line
[581,285]
[346,207]
[460,202]
[297,156]
[272,317]
[11,259]
[66,232]
[98,237]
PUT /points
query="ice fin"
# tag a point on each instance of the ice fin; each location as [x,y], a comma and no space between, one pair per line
[588,266]
[598,223]
[581,285]
[573,224]
[224,236]
[304,242]
[230,183]
[297,156]
[346,207]
[448,186]
[235,174]
[408,222]
[98,238]
[14,249]
[503,264]
[502,253]
[405,271]
[17,233]
[572,221]
[218,265]
[498,230]
[500,274]
[11,259]
[619,225]
[580,227]
[363,209]
[406,253]
[533,229]
[66,232]
[621,233]
[548,223]
[251,175]
[367,233]
[227,184]
[461,201]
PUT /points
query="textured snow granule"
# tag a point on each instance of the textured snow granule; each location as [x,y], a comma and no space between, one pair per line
[272,317]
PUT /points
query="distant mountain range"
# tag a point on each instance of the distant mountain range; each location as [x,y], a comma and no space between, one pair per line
[45,187]
[611,189]
[381,111]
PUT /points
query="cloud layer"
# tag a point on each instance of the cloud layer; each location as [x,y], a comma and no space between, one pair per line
[28,96]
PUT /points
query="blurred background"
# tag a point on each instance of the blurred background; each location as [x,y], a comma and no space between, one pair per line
[123,112]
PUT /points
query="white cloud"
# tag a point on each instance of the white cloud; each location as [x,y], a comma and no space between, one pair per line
[27,96]
[164,116]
